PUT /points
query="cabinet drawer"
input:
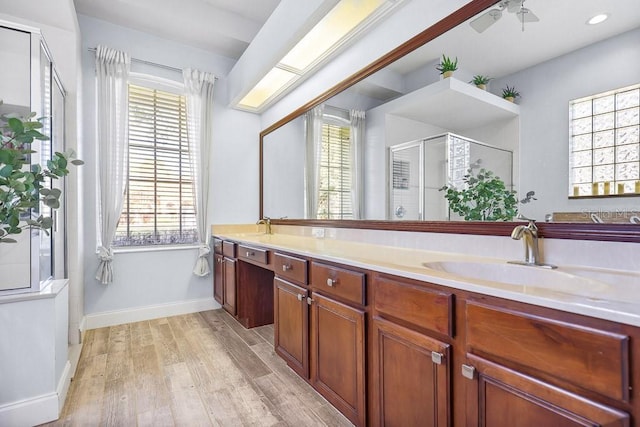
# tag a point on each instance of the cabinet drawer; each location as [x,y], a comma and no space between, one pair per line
[589,358]
[250,253]
[229,249]
[422,307]
[217,245]
[291,268]
[339,282]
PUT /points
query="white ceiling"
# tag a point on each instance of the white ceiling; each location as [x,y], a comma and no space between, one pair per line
[223,27]
[504,48]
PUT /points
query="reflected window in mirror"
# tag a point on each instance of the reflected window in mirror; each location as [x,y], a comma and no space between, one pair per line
[605,144]
[334,146]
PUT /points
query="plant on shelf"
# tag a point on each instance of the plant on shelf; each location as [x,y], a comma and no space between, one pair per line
[23,185]
[481,81]
[484,197]
[447,66]
[510,93]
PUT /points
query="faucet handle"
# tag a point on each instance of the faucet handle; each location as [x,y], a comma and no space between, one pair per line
[524,218]
[532,222]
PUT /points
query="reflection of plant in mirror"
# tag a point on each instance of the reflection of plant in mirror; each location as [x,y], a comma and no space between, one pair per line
[446,64]
[484,197]
[21,189]
[510,92]
[479,79]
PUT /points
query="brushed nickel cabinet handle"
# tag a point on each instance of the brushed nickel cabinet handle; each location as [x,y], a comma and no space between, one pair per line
[250,254]
[331,282]
[437,357]
[286,267]
[468,371]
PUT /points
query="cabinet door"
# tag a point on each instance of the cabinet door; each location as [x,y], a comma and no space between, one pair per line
[410,377]
[218,278]
[230,285]
[291,324]
[500,396]
[338,357]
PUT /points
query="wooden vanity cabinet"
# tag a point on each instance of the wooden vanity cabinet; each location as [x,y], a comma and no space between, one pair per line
[528,370]
[410,376]
[229,292]
[337,338]
[224,274]
[291,312]
[243,282]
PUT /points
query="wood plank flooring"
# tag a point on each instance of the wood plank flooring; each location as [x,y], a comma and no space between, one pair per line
[201,369]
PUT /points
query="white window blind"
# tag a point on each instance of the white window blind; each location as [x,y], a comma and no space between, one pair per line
[334,201]
[159,201]
[605,144]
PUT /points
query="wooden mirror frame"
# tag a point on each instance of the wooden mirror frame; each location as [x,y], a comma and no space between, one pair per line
[576,231]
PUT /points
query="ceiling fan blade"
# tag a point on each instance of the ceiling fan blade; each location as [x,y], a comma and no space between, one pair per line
[486,20]
[525,15]
[514,6]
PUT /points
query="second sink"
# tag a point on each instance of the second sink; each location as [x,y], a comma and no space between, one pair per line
[520,275]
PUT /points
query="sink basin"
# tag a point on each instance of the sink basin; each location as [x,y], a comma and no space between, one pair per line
[521,275]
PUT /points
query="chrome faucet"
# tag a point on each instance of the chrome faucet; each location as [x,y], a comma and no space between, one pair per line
[529,236]
[267,224]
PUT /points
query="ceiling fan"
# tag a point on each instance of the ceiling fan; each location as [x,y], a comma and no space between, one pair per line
[489,18]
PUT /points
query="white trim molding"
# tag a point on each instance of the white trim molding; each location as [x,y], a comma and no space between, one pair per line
[138,314]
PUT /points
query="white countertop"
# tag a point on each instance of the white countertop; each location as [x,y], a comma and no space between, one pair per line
[606,294]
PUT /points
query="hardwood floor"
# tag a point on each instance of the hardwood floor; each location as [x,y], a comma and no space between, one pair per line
[198,369]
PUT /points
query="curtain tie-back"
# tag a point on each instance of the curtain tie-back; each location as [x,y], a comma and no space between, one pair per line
[105,254]
[105,269]
[204,250]
[202,263]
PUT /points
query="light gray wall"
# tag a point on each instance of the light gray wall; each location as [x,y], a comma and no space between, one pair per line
[544,117]
[284,165]
[164,277]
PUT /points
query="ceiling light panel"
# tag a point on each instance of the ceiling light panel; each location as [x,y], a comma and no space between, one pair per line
[275,80]
[327,34]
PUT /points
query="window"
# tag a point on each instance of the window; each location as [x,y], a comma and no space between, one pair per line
[605,144]
[158,206]
[334,198]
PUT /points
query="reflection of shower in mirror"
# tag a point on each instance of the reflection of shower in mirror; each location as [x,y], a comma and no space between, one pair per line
[420,168]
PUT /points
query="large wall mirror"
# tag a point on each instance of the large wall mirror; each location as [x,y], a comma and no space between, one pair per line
[421,131]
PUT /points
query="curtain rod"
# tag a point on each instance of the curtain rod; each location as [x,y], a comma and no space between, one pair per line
[154,64]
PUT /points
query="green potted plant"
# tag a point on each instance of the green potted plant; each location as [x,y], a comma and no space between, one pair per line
[23,187]
[481,81]
[447,66]
[484,197]
[510,93]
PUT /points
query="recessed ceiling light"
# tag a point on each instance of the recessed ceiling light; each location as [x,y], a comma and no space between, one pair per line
[601,17]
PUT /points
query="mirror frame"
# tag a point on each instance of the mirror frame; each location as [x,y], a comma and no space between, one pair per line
[575,231]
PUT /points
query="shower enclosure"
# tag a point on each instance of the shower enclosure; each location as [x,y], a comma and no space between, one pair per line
[418,169]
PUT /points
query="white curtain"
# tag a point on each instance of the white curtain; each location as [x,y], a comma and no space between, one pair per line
[313,140]
[112,74]
[199,90]
[357,123]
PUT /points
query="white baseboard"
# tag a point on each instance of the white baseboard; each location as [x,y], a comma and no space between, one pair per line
[63,385]
[138,314]
[30,412]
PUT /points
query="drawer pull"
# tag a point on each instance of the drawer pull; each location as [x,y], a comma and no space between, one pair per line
[468,371]
[286,267]
[436,357]
[331,282]
[250,254]
[300,297]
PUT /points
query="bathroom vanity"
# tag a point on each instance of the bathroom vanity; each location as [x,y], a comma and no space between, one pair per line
[390,341]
